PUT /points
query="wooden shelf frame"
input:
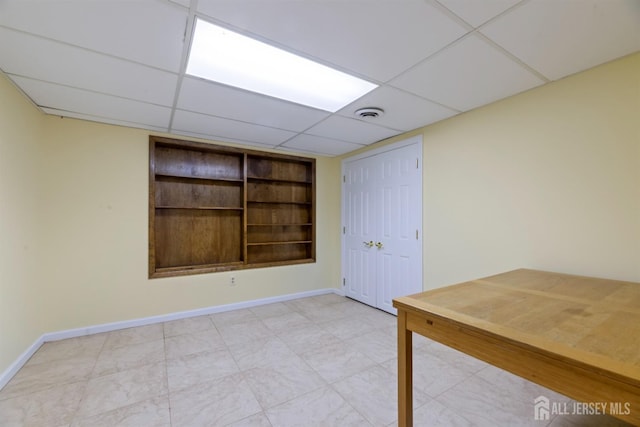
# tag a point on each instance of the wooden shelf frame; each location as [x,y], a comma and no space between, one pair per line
[216,208]
[291,181]
[185,176]
[206,208]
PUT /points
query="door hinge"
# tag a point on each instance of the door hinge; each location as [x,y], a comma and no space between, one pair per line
[344,178]
[344,230]
[417,160]
[344,282]
[416,234]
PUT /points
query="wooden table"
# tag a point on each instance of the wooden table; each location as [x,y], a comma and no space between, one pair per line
[579,336]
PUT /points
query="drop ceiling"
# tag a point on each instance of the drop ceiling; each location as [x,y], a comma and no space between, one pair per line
[123,62]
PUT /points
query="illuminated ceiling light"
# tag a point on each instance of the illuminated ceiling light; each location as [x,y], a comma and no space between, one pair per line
[223,56]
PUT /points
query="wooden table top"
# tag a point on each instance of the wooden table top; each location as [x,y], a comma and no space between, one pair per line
[583,319]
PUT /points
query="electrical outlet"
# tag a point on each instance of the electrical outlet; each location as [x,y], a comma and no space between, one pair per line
[232,281]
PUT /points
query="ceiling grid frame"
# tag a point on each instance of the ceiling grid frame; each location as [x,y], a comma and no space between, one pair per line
[78,55]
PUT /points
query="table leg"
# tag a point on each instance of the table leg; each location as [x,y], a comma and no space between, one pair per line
[405,372]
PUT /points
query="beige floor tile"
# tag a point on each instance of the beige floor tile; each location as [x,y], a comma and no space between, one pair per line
[348,327]
[318,361]
[431,375]
[189,325]
[353,308]
[324,313]
[270,310]
[215,403]
[192,369]
[434,414]
[325,308]
[377,345]
[487,404]
[320,408]
[244,332]
[137,335]
[282,381]
[148,413]
[197,342]
[257,420]
[128,357]
[380,319]
[308,339]
[268,351]
[304,304]
[80,347]
[284,323]
[124,388]
[54,406]
[373,394]
[232,317]
[327,299]
[337,361]
[418,340]
[41,376]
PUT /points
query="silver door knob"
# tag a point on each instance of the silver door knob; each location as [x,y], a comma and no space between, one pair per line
[379,245]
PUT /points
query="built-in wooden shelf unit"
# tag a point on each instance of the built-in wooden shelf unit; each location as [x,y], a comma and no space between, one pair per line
[215,208]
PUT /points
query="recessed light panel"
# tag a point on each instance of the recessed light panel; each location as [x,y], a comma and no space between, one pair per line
[224,56]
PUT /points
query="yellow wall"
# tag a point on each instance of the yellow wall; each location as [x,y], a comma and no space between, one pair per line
[74,232]
[547,179]
[20,303]
[95,237]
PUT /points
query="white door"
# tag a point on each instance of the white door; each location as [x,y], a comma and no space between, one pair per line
[382,215]
[360,239]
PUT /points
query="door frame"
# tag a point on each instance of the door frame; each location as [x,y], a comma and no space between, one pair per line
[417,139]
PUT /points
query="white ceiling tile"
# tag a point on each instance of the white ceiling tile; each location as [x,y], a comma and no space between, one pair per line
[63,98]
[351,130]
[119,61]
[184,3]
[319,145]
[476,12]
[225,140]
[223,101]
[81,116]
[72,66]
[558,38]
[146,31]
[377,39]
[225,128]
[402,110]
[467,75]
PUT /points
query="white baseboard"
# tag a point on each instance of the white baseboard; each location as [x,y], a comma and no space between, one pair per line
[20,361]
[6,376]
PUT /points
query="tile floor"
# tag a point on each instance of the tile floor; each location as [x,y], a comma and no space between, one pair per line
[319,361]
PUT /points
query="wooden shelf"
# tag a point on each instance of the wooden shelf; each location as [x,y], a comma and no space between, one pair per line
[206,208]
[278,203]
[214,208]
[279,225]
[196,269]
[186,176]
[280,169]
[293,242]
[287,181]
[287,262]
